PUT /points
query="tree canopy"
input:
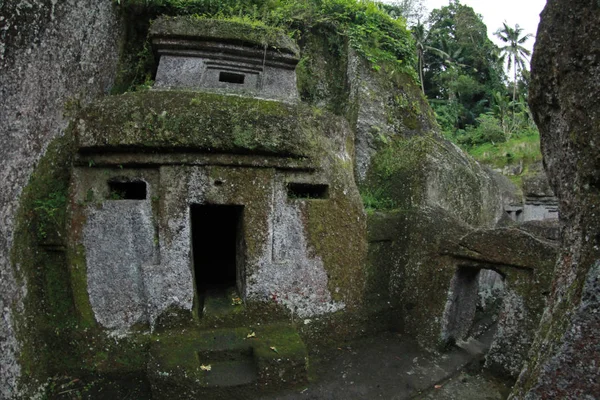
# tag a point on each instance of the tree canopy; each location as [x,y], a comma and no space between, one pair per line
[462,74]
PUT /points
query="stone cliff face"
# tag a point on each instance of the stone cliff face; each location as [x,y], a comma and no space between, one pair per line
[565,99]
[51,54]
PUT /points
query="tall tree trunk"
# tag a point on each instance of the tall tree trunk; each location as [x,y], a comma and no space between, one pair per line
[421,71]
[514,93]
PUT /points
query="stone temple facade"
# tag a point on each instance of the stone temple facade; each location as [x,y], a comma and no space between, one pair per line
[161,229]
[214,195]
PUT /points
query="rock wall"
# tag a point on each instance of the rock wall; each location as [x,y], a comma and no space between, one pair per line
[51,54]
[565,100]
[401,156]
[432,192]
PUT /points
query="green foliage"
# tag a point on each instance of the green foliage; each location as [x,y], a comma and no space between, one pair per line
[225,28]
[513,53]
[460,66]
[364,24]
[463,77]
[49,212]
[376,199]
[447,114]
[487,130]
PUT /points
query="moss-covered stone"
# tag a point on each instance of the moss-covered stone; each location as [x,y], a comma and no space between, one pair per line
[398,170]
[184,363]
[38,253]
[78,274]
[322,70]
[175,120]
[336,229]
[228,31]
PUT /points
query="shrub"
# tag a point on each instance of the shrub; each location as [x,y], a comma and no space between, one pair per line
[488,130]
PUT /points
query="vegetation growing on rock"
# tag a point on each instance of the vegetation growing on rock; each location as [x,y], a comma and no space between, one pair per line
[364,25]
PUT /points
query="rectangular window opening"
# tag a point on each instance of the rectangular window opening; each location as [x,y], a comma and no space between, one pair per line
[231,77]
[217,249]
[132,190]
[307,191]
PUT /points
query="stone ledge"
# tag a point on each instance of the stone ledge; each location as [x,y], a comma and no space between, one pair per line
[187,121]
[232,32]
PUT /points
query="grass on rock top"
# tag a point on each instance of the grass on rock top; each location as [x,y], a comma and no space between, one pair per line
[525,148]
[363,24]
[236,30]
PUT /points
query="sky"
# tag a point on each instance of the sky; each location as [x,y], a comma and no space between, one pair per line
[526,13]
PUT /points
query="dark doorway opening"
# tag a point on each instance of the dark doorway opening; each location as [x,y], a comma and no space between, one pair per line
[475,300]
[217,249]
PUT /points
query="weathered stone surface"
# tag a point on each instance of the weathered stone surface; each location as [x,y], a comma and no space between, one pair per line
[304,254]
[225,32]
[401,156]
[118,240]
[536,184]
[507,246]
[384,109]
[526,263]
[546,229]
[539,201]
[197,122]
[463,297]
[566,106]
[225,56]
[51,54]
[430,251]
[415,242]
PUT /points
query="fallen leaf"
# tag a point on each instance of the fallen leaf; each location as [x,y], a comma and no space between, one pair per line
[438,386]
[274,349]
[205,367]
[236,301]
[251,335]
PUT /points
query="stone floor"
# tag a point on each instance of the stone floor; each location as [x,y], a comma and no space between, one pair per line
[388,366]
[391,366]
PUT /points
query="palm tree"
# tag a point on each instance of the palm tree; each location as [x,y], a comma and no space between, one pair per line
[513,53]
[421,36]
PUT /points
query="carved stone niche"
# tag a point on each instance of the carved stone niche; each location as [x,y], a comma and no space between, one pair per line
[225,57]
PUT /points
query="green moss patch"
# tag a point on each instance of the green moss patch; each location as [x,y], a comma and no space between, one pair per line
[398,172]
[187,121]
[38,254]
[187,363]
[364,25]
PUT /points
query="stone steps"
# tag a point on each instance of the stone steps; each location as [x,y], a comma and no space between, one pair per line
[232,373]
[226,363]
